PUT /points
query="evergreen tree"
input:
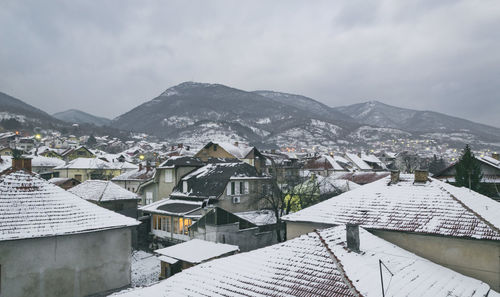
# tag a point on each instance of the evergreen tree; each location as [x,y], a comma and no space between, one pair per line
[468,171]
[91,141]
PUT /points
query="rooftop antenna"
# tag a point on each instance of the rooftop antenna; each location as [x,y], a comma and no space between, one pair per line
[380,264]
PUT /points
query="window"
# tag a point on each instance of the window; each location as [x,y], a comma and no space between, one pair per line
[184,186]
[215,147]
[176,225]
[168,176]
[149,197]
[247,188]
[169,224]
[78,177]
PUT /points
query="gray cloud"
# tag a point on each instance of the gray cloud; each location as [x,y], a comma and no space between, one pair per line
[106,57]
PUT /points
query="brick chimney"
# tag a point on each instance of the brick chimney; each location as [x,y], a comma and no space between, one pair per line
[180,145]
[21,163]
[394,176]
[495,156]
[421,176]
[352,237]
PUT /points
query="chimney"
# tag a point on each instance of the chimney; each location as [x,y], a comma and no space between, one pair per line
[394,176]
[236,143]
[421,176]
[180,145]
[352,236]
[21,163]
[173,147]
[148,166]
[495,156]
[273,151]
[188,147]
[359,155]
[140,166]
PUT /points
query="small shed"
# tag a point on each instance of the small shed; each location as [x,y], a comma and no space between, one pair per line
[181,256]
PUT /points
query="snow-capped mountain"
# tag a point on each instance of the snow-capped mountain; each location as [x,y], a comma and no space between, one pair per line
[187,110]
[73,116]
[426,123]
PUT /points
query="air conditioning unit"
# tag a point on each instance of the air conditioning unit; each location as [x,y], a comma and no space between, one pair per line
[236,199]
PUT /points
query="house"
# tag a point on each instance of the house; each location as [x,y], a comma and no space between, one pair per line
[323,165]
[358,162]
[53,243]
[490,167]
[184,255]
[5,151]
[83,169]
[131,180]
[245,153]
[451,226]
[167,176]
[331,262]
[64,182]
[284,168]
[234,187]
[77,152]
[248,230]
[375,163]
[109,196]
[45,165]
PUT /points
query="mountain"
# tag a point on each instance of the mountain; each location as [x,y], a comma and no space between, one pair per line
[18,115]
[192,110]
[15,114]
[425,123]
[79,117]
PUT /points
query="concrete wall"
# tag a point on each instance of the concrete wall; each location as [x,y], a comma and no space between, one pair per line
[164,188]
[130,185]
[246,239]
[251,201]
[479,259]
[85,173]
[295,229]
[70,265]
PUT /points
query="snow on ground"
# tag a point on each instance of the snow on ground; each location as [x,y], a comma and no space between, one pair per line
[145,269]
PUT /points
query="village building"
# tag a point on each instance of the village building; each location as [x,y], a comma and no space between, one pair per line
[248,230]
[5,151]
[108,195]
[64,182]
[323,165]
[451,226]
[283,168]
[243,152]
[167,176]
[358,163]
[490,168]
[53,243]
[44,166]
[234,187]
[131,180]
[83,169]
[331,262]
[184,255]
[77,152]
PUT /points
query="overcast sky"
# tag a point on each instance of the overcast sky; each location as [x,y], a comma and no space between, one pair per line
[106,57]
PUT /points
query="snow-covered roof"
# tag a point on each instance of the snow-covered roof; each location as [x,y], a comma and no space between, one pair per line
[370,158]
[318,264]
[32,207]
[434,208]
[490,161]
[124,165]
[324,162]
[197,250]
[41,161]
[358,161]
[136,174]
[5,162]
[172,207]
[211,180]
[240,151]
[102,191]
[258,217]
[87,163]
[176,161]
